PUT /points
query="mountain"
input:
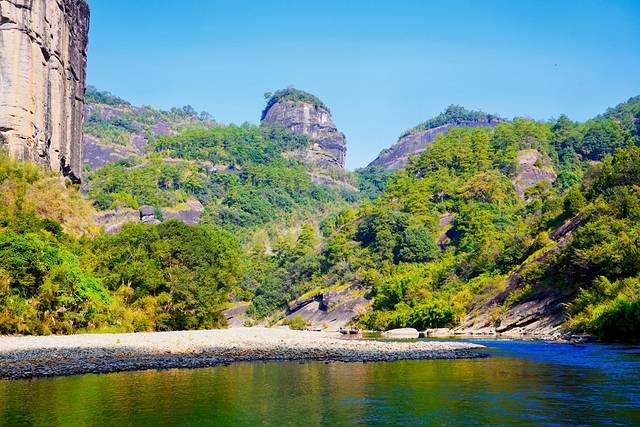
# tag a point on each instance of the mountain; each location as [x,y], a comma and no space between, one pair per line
[304,114]
[516,227]
[414,141]
[147,165]
[42,69]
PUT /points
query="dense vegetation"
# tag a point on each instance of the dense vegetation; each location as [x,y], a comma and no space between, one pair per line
[449,229]
[453,115]
[248,186]
[94,96]
[372,180]
[56,276]
[113,120]
[425,243]
[239,174]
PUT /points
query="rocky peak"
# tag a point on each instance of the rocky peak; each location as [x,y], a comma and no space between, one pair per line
[414,141]
[304,114]
[42,81]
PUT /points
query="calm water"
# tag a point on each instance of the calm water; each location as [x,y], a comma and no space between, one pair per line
[523,383]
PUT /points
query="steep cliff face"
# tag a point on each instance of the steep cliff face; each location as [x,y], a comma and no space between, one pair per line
[304,114]
[42,80]
[414,141]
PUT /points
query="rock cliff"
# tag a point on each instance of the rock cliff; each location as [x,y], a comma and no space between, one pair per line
[42,81]
[414,141]
[304,114]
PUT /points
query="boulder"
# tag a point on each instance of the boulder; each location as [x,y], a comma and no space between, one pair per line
[438,332]
[403,333]
[148,215]
[189,212]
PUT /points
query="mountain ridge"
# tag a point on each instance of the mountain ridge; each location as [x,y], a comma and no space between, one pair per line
[413,141]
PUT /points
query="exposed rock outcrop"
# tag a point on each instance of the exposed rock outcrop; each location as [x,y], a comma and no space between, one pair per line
[538,315]
[533,167]
[237,315]
[304,114]
[328,181]
[414,141]
[330,310]
[135,125]
[42,81]
[97,154]
[189,213]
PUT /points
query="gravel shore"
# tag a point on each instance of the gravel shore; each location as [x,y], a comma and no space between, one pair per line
[29,357]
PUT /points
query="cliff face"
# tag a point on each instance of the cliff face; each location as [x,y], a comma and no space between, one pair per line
[303,114]
[42,81]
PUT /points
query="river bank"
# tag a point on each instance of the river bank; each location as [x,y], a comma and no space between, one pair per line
[45,356]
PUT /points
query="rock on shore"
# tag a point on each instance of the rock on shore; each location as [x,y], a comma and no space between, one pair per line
[28,357]
[404,333]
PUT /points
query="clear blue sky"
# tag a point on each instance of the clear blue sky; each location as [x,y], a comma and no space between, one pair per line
[381,66]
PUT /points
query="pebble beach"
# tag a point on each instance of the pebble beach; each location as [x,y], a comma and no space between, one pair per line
[46,356]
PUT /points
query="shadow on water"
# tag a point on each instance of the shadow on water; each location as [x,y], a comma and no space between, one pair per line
[523,383]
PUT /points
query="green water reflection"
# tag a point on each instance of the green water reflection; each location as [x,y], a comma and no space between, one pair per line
[497,390]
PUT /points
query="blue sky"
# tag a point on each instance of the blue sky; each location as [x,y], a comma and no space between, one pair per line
[381,66]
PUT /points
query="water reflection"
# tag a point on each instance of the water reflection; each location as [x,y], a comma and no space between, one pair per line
[523,383]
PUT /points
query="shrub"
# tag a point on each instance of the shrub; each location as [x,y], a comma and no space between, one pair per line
[296,323]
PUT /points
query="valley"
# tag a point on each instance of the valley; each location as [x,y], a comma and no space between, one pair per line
[489,228]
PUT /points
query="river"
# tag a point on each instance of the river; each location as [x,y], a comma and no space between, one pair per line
[522,383]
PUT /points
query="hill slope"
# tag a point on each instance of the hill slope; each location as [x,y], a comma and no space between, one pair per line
[525,228]
[152,165]
[414,141]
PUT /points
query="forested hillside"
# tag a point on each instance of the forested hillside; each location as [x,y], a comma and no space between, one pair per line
[61,273]
[58,274]
[486,218]
[451,231]
[238,177]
